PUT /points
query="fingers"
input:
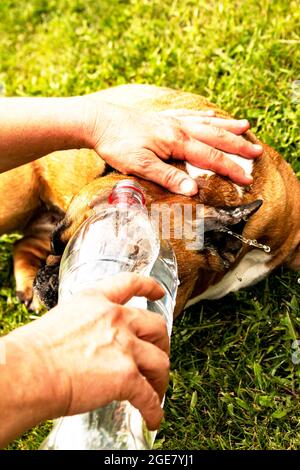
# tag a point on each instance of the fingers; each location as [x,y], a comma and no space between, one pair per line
[205,146]
[221,139]
[143,397]
[236,126]
[122,287]
[182,112]
[154,364]
[148,166]
[206,157]
[148,326]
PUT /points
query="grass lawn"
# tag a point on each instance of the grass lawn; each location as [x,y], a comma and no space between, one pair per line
[233,383]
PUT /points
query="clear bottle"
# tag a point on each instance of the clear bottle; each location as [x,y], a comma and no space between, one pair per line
[119,237]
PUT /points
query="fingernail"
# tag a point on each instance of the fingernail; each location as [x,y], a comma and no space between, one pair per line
[257,148]
[243,122]
[188,187]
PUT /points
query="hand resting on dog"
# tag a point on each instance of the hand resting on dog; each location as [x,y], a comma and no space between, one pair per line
[131,141]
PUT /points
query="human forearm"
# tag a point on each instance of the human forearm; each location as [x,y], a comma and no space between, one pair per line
[26,395]
[131,140]
[33,127]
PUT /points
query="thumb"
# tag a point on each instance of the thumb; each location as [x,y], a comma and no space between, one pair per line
[168,176]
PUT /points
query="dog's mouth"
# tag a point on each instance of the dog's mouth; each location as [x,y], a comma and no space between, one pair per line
[247,211]
[224,230]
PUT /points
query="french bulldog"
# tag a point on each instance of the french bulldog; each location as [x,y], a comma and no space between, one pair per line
[248,231]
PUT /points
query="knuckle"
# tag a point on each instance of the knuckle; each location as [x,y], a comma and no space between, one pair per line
[125,339]
[169,177]
[180,136]
[153,400]
[245,143]
[205,120]
[215,157]
[142,164]
[165,363]
[116,313]
[128,342]
[219,132]
[124,343]
[130,372]
[175,133]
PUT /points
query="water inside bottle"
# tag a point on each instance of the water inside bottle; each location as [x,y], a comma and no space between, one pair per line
[118,425]
[103,247]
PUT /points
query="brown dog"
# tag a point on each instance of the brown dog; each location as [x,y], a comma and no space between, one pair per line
[61,187]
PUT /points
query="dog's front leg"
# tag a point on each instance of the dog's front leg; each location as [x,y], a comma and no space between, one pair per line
[29,254]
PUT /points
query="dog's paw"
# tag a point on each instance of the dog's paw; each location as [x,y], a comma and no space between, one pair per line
[29,298]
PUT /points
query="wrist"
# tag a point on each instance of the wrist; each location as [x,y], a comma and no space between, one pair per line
[97,115]
[73,123]
[26,367]
[22,391]
[32,389]
[39,344]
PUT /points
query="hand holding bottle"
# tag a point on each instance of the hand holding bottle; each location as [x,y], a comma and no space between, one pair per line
[123,346]
[85,353]
[120,238]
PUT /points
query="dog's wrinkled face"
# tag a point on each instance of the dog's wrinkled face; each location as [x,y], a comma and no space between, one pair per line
[217,255]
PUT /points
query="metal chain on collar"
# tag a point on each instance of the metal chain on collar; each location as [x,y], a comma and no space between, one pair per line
[247,241]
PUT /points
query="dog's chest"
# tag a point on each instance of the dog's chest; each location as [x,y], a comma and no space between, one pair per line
[251,269]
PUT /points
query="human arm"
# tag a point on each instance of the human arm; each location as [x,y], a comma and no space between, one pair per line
[130,140]
[84,354]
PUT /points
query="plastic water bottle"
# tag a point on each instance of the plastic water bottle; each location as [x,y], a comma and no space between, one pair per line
[119,237]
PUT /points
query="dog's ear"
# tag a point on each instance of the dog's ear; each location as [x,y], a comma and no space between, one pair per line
[218,239]
[46,282]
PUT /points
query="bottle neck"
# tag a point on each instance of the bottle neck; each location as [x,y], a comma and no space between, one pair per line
[127,194]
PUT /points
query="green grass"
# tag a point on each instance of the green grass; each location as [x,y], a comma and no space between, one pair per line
[233,384]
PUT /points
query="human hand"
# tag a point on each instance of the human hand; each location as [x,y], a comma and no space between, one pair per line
[93,350]
[134,141]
